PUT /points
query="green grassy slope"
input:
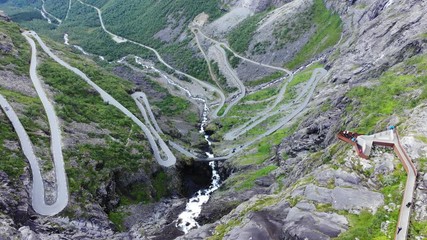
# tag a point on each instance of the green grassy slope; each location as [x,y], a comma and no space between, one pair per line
[328,32]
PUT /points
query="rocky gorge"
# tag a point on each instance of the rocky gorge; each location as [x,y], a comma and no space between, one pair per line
[308,186]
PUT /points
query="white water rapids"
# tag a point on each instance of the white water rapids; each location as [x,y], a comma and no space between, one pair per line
[187,219]
[67,42]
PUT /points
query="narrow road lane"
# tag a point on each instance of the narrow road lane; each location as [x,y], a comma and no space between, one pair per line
[120,39]
[38,192]
[169,157]
[223,61]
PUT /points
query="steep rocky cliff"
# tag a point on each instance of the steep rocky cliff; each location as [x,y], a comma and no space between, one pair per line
[300,183]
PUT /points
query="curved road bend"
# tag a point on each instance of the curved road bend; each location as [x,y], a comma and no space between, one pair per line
[119,39]
[38,198]
[316,76]
[51,15]
[286,119]
[170,158]
[141,95]
[241,57]
[199,45]
[38,192]
[318,73]
[222,56]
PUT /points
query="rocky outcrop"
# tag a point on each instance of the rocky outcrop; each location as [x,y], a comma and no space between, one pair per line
[281,221]
[342,198]
[377,35]
[4,17]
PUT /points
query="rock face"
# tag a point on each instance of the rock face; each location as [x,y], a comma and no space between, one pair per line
[344,198]
[4,17]
[377,35]
[285,222]
[255,5]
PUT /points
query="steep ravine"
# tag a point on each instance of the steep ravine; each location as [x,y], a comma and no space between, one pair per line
[301,189]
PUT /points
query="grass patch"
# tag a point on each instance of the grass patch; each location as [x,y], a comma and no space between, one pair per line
[262,94]
[396,95]
[328,32]
[367,225]
[418,228]
[223,229]
[247,180]
[160,183]
[240,37]
[292,30]
[265,147]
[422,138]
[118,219]
[17,59]
[222,110]
[232,59]
[12,162]
[172,106]
[134,194]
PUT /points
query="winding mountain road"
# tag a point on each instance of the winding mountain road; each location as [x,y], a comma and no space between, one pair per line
[140,95]
[38,191]
[315,78]
[199,45]
[267,112]
[261,116]
[120,39]
[225,45]
[170,158]
[220,54]
[317,74]
[51,15]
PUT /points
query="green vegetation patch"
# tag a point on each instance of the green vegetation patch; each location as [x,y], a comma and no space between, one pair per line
[241,36]
[293,29]
[223,229]
[265,147]
[262,94]
[118,219]
[394,93]
[141,20]
[12,161]
[172,106]
[418,228]
[247,180]
[57,8]
[367,225]
[19,55]
[222,80]
[232,59]
[182,57]
[328,32]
